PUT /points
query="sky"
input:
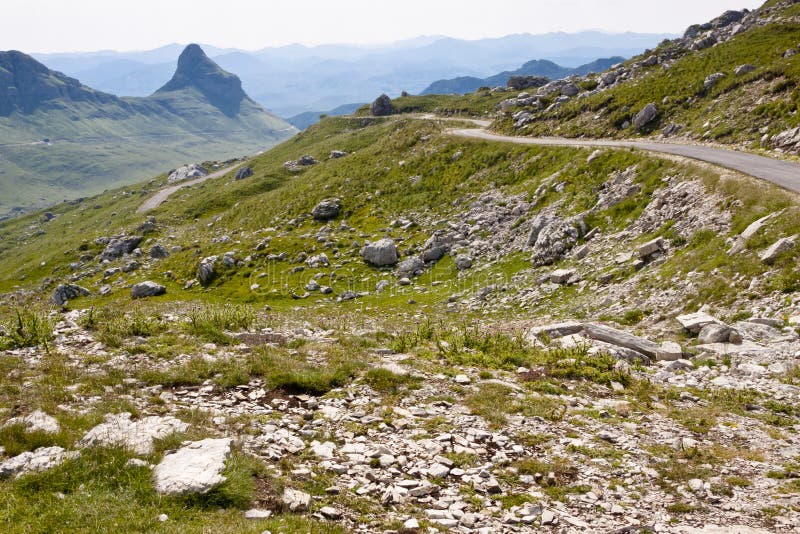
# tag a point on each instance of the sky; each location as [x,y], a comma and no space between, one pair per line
[84,25]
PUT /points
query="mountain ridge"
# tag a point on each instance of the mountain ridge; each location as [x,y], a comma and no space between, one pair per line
[95,139]
[536,67]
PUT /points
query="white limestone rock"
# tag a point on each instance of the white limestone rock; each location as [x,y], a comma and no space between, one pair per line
[195,468]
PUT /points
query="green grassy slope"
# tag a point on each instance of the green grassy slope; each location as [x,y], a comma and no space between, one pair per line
[225,215]
[738,109]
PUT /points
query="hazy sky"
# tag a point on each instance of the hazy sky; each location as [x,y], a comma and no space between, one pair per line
[72,25]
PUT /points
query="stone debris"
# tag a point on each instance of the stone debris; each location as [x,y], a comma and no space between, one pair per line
[136,436]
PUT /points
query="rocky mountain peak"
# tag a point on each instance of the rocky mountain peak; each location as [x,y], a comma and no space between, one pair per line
[26,84]
[197,71]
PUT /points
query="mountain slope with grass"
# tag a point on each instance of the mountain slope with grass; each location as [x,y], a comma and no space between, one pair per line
[384,327]
[61,139]
[732,80]
[382,301]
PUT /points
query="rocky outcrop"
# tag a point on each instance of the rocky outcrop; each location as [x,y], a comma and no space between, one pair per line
[788,140]
[37,421]
[206,271]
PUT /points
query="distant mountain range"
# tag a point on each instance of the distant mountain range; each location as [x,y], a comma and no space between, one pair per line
[537,67]
[295,79]
[60,139]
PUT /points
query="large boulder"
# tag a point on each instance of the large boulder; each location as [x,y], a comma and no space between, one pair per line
[296,500]
[327,209]
[380,253]
[410,266]
[158,252]
[712,79]
[244,172]
[206,271]
[195,468]
[645,117]
[118,246]
[382,106]
[147,289]
[718,333]
[187,172]
[695,322]
[622,339]
[778,248]
[67,292]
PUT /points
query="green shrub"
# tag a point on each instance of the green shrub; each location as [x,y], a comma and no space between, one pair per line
[26,327]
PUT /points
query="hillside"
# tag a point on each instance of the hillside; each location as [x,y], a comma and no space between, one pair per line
[411,370]
[385,325]
[732,81]
[62,139]
[548,69]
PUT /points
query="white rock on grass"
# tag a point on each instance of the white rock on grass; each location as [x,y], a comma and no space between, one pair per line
[296,501]
[36,461]
[37,421]
[195,468]
[255,513]
[137,436]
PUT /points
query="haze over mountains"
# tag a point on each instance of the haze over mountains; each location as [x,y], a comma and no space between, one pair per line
[61,139]
[295,79]
[537,67]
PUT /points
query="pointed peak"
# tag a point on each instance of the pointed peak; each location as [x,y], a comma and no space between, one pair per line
[197,71]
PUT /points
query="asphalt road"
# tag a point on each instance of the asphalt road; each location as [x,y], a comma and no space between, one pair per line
[159,198]
[785,174]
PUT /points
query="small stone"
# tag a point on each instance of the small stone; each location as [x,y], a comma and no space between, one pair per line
[463,380]
[330,512]
[163,518]
[548,517]
[411,524]
[295,500]
[255,513]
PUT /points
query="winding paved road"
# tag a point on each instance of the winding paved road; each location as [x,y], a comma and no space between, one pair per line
[159,198]
[786,174]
